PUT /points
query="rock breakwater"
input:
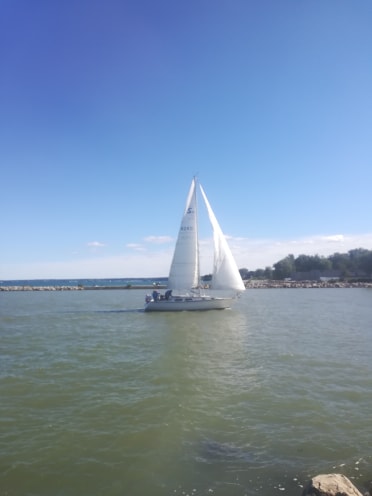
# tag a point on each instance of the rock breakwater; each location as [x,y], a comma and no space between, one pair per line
[264,284]
[75,288]
[41,288]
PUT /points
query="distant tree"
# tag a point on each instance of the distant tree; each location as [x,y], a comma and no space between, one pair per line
[321,263]
[356,258]
[268,274]
[284,268]
[303,263]
[259,274]
[353,263]
[307,263]
[366,263]
[244,274]
[339,261]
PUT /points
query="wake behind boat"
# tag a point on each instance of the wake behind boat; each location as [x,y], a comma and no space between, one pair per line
[185,290]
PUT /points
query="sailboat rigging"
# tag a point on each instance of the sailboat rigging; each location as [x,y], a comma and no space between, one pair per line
[184,288]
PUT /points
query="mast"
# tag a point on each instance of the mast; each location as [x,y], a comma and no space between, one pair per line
[197,235]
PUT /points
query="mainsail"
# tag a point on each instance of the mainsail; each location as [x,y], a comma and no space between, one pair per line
[184,271]
[225,271]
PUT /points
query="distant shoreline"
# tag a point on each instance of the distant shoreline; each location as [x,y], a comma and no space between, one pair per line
[255,284]
[79,287]
[266,284]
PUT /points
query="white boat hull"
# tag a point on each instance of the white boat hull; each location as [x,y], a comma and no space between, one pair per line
[181,304]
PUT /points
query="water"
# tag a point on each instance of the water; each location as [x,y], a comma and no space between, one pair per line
[98,397]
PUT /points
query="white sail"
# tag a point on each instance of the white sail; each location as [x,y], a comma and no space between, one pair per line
[184,271]
[184,275]
[225,271]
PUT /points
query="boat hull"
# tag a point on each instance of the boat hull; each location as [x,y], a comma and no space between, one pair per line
[183,304]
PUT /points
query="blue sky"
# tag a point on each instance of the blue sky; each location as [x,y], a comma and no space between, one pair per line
[109,108]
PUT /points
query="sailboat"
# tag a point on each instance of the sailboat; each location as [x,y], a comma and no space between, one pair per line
[185,290]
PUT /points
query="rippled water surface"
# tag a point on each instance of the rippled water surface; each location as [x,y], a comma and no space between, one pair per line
[97,397]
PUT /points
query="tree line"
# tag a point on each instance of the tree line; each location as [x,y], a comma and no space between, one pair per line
[355,263]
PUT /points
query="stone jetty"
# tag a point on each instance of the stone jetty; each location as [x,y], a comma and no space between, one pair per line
[77,288]
[265,284]
[41,288]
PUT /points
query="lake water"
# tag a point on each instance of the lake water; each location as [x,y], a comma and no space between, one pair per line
[100,398]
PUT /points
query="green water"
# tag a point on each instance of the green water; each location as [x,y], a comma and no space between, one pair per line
[99,398]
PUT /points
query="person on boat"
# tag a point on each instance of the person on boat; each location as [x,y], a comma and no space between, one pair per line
[155,295]
[168,294]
